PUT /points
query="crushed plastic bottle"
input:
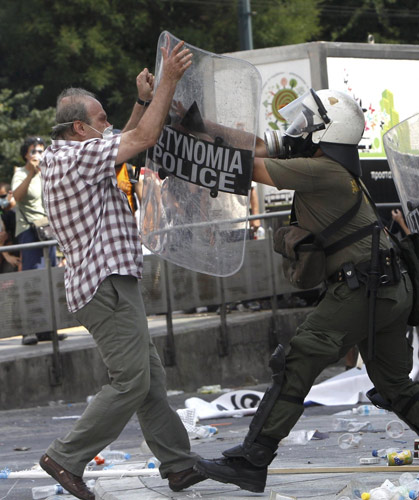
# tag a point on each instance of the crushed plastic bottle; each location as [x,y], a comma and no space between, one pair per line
[152,463]
[351,425]
[349,440]
[201,431]
[110,457]
[382,452]
[369,410]
[46,491]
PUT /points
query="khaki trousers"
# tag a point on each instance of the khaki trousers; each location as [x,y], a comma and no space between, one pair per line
[338,323]
[116,319]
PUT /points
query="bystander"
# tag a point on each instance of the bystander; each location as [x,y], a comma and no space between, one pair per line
[27,191]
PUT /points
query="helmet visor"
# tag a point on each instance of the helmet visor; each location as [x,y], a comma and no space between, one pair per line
[294,108]
[300,125]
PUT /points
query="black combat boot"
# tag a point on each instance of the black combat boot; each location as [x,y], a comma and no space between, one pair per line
[245,466]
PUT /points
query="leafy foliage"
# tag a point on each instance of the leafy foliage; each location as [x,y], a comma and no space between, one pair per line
[48,45]
[388,21]
[19,119]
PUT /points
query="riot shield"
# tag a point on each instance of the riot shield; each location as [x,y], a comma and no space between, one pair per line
[401,144]
[198,176]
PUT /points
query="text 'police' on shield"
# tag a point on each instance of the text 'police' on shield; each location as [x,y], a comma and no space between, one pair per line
[212,165]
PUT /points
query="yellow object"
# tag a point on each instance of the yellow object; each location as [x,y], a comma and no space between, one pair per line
[365,496]
[403,457]
[124,184]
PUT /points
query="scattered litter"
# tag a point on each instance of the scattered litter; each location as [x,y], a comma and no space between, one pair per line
[394,456]
[152,463]
[369,410]
[407,487]
[279,496]
[349,440]
[354,489]
[174,393]
[190,421]
[209,389]
[109,457]
[46,491]
[394,429]
[320,435]
[67,417]
[352,425]
[233,403]
[21,448]
[194,494]
[60,402]
[369,460]
[298,437]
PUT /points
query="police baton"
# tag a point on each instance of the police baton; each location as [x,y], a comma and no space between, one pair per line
[372,287]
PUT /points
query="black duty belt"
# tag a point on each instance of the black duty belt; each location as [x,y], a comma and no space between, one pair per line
[390,270]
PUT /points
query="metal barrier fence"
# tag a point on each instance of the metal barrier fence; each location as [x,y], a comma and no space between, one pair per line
[34,301]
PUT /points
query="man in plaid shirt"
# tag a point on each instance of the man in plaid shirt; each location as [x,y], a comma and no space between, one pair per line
[97,233]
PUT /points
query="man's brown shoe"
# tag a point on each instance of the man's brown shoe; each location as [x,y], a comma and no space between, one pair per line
[73,484]
[184,479]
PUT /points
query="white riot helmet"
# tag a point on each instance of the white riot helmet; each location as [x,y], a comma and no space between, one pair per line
[334,120]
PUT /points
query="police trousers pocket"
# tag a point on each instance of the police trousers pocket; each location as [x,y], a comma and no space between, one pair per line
[409,252]
[304,259]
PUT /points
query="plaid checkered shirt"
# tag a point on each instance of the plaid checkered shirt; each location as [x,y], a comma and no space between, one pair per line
[89,215]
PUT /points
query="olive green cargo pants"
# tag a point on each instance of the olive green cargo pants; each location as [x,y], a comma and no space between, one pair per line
[338,323]
[116,319]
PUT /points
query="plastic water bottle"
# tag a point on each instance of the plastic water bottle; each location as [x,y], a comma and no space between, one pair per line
[46,491]
[152,463]
[382,452]
[369,410]
[114,457]
[260,233]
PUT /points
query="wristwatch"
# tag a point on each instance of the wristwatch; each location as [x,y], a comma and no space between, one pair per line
[143,103]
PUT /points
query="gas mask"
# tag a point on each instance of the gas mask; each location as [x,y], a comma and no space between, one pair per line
[285,146]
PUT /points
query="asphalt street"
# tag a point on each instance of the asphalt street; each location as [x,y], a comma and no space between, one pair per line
[27,433]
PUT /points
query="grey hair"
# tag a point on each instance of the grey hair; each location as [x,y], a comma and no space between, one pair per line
[73,108]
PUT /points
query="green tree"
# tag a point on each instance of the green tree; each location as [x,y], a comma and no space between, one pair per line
[388,21]
[19,119]
[102,44]
[279,22]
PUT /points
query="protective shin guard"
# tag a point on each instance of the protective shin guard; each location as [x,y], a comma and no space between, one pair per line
[255,448]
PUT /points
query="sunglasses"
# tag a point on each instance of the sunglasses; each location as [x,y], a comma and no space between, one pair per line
[3,195]
[37,151]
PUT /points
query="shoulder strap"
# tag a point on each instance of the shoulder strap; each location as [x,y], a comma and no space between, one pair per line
[336,225]
[343,219]
[361,233]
